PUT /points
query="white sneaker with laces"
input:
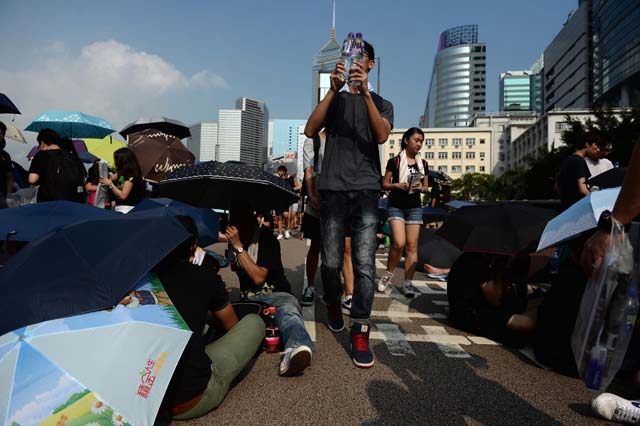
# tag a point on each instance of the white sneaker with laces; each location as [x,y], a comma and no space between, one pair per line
[384,282]
[293,361]
[287,235]
[409,290]
[613,407]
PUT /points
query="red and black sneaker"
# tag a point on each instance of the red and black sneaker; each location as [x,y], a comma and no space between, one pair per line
[360,352]
[335,321]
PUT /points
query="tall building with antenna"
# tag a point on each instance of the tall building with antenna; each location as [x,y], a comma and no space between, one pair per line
[324,62]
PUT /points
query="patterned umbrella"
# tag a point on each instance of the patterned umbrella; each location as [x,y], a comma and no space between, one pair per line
[159,154]
[103,368]
[6,106]
[14,133]
[71,124]
[216,185]
[166,125]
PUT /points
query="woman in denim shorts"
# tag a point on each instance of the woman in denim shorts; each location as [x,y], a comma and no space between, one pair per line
[405,207]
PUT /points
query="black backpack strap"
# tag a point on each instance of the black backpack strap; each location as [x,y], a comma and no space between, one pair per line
[316,151]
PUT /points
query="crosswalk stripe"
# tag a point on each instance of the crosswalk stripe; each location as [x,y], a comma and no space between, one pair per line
[396,315]
[395,340]
[447,346]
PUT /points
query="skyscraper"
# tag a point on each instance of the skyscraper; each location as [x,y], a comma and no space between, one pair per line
[457,89]
[284,136]
[204,140]
[242,132]
[324,62]
[616,52]
[515,91]
[536,85]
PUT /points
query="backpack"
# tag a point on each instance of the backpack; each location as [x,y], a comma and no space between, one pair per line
[65,177]
[316,154]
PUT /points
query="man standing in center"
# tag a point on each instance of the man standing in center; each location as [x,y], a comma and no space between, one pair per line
[356,121]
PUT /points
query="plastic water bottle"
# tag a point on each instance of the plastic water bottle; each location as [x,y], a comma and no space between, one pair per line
[345,55]
[631,310]
[272,331]
[357,55]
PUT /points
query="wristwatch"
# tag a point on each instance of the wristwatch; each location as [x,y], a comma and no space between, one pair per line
[606,221]
[239,250]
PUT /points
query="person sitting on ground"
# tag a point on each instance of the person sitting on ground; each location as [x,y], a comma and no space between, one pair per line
[57,169]
[205,370]
[129,188]
[259,268]
[487,296]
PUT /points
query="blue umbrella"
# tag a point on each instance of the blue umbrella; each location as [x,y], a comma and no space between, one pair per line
[207,221]
[34,221]
[83,267]
[72,124]
[456,204]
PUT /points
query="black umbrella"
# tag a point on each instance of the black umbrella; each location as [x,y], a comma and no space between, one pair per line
[501,228]
[436,251]
[438,178]
[6,106]
[83,267]
[216,185]
[612,178]
[165,125]
[433,214]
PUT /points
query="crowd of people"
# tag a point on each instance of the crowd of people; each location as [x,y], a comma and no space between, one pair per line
[488,294]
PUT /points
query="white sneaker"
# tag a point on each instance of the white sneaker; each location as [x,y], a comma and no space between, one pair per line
[293,361]
[280,236]
[613,407]
[409,290]
[346,305]
[287,235]
[384,282]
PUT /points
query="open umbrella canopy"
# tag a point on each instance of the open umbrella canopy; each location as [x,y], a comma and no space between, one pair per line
[580,217]
[165,125]
[34,221]
[159,154]
[83,267]
[104,148]
[6,106]
[433,214]
[500,228]
[610,179]
[206,220]
[14,133]
[439,178]
[456,204]
[72,124]
[435,251]
[78,144]
[216,185]
[100,368]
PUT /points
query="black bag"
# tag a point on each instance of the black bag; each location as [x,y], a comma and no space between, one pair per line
[65,177]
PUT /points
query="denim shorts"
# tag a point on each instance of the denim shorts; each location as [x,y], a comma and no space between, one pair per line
[409,216]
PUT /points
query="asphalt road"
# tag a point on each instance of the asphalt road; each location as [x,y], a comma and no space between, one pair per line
[426,372]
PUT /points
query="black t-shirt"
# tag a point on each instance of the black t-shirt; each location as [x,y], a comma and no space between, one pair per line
[351,160]
[268,257]
[137,192]
[5,171]
[193,290]
[398,198]
[573,168]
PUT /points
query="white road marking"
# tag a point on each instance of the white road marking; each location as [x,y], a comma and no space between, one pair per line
[478,340]
[395,340]
[395,315]
[399,305]
[440,302]
[445,339]
[447,346]
[380,265]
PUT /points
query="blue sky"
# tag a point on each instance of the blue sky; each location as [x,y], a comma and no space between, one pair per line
[125,59]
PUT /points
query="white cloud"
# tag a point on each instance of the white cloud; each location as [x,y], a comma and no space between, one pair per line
[107,78]
[45,402]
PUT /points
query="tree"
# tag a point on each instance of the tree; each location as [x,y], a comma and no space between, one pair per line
[475,187]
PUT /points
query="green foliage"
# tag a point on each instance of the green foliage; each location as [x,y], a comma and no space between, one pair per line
[475,187]
[15,424]
[73,398]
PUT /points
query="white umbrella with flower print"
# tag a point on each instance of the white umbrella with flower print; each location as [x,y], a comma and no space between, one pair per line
[104,368]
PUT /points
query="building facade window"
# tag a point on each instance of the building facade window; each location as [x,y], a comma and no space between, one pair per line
[456,169]
[470,169]
[456,141]
[429,155]
[471,141]
[443,141]
[456,154]
[428,142]
[442,155]
[470,155]
[482,168]
[442,169]
[481,141]
[482,155]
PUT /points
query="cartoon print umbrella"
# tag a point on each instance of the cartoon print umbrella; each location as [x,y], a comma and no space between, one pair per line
[72,124]
[165,125]
[103,368]
[159,154]
[14,133]
[216,185]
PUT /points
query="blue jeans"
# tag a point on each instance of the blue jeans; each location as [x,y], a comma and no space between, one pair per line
[358,212]
[288,318]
